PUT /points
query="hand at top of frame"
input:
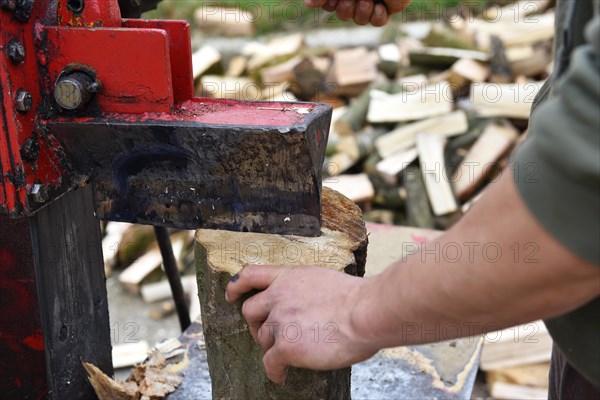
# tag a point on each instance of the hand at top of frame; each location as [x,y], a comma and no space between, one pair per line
[303,317]
[362,12]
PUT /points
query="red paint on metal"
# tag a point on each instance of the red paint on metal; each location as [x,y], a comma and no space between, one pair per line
[180,50]
[132,65]
[221,112]
[102,13]
[22,358]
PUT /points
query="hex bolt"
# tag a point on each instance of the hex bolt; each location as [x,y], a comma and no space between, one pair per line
[16,52]
[23,9]
[38,193]
[75,90]
[23,101]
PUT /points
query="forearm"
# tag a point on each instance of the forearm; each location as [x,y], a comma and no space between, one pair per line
[496,268]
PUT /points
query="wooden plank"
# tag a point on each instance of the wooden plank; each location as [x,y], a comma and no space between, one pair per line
[431,157]
[495,141]
[405,136]
[72,292]
[430,101]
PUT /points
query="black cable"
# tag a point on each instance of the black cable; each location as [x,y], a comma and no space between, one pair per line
[166,250]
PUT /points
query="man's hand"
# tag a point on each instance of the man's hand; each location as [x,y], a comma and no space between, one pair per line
[303,317]
[361,11]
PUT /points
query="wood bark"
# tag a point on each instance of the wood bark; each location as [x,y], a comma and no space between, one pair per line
[235,360]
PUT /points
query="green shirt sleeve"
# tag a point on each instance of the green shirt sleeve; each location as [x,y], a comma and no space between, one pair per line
[557,169]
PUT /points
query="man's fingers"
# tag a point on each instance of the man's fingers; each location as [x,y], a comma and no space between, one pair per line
[276,370]
[266,335]
[315,3]
[380,15]
[252,277]
[345,9]
[331,5]
[363,12]
[255,311]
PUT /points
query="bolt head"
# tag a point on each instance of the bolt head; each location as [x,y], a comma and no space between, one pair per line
[23,101]
[74,91]
[16,52]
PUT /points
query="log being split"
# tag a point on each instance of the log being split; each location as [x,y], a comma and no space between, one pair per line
[234,359]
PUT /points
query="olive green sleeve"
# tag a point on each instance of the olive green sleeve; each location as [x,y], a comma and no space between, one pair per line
[557,169]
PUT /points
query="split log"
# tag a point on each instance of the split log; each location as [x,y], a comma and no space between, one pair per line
[222,87]
[418,211]
[495,141]
[431,157]
[234,359]
[353,70]
[513,31]
[442,36]
[520,345]
[535,375]
[283,72]
[500,68]
[357,187]
[237,66]
[110,244]
[355,116]
[128,354]
[405,136]
[362,144]
[309,81]
[534,65]
[390,167]
[389,59]
[280,47]
[471,70]
[430,101]
[443,57]
[204,59]
[228,21]
[511,100]
[506,391]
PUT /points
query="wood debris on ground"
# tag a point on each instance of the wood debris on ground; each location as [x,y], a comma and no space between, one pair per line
[153,379]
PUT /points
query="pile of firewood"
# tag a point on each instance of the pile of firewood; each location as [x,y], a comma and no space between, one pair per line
[516,361]
[422,122]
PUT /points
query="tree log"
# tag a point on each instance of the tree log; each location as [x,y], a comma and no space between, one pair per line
[235,360]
